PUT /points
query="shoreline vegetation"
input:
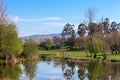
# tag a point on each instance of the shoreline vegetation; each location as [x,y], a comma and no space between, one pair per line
[66,55]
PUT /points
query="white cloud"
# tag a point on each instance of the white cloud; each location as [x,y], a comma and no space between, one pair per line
[57,24]
[18,19]
[15,19]
[53,18]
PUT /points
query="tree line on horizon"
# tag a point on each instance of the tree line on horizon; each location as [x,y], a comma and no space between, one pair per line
[95,37]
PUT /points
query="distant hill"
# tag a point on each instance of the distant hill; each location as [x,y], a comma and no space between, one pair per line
[35,37]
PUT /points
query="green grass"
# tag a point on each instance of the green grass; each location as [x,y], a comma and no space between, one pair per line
[114,57]
[67,54]
[77,54]
[49,51]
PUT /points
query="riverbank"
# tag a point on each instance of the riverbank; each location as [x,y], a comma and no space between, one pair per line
[68,55]
[78,55]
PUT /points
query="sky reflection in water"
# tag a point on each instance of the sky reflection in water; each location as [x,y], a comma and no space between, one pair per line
[68,70]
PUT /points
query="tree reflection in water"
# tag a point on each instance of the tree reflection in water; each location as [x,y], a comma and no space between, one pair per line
[65,70]
[10,72]
[115,72]
[97,70]
[90,70]
[69,72]
[82,72]
[30,68]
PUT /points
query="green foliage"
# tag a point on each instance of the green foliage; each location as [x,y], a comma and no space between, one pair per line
[70,43]
[9,41]
[47,44]
[97,46]
[30,48]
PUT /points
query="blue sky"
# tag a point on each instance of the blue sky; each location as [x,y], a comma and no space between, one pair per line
[50,16]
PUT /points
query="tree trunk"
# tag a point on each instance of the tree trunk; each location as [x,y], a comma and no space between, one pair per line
[104,56]
[94,55]
[86,53]
[92,47]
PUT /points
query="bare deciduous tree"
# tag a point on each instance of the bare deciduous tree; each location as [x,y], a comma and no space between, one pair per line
[3,13]
[90,14]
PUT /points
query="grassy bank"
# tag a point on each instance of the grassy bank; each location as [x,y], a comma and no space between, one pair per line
[76,54]
[114,57]
[59,53]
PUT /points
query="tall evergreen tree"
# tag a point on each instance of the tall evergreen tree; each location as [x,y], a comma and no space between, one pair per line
[68,31]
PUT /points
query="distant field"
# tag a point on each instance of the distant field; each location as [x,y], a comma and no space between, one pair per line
[77,54]
[59,52]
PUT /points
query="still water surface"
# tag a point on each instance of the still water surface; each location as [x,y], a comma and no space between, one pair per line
[60,70]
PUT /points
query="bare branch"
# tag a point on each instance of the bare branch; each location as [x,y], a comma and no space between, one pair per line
[3,13]
[90,14]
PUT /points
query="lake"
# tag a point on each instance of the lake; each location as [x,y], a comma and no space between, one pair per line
[60,70]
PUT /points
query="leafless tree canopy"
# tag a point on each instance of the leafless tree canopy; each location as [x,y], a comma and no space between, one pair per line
[3,13]
[90,14]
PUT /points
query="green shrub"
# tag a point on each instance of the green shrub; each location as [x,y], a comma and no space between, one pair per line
[30,48]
